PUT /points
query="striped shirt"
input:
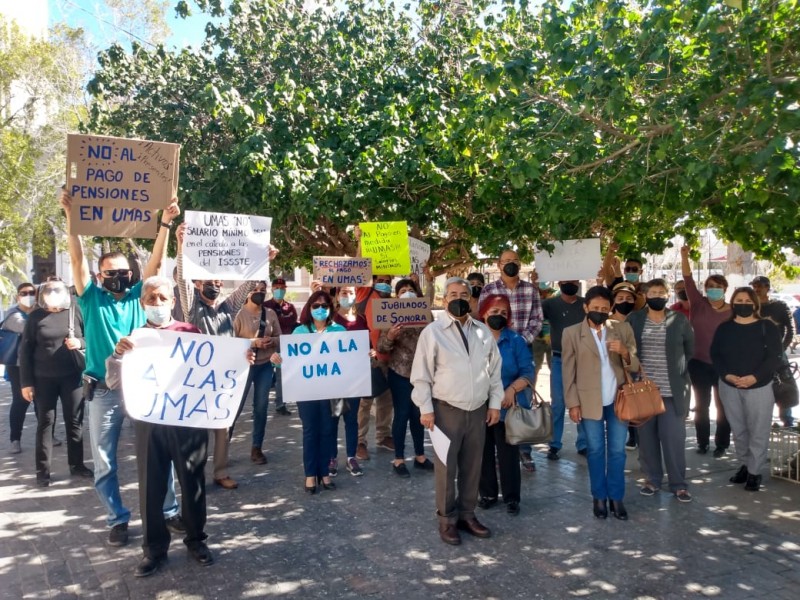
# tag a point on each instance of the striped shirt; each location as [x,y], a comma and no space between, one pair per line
[653,356]
[526,307]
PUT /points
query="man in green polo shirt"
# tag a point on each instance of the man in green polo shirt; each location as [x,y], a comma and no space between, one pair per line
[111,310]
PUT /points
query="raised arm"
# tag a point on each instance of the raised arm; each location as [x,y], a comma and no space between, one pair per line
[159,254]
[80,266]
[185,288]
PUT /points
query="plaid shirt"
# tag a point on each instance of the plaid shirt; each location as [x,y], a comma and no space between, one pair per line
[526,307]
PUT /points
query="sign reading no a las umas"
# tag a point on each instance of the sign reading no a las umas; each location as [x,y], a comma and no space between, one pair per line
[326,365]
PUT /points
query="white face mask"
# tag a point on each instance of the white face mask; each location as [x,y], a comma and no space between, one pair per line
[56,300]
[158,315]
[27,301]
[408,294]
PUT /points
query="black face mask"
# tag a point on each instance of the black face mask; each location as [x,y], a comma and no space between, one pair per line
[657,304]
[743,310]
[683,296]
[496,322]
[597,317]
[210,291]
[258,297]
[624,308]
[511,269]
[117,284]
[568,289]
[475,290]
[458,308]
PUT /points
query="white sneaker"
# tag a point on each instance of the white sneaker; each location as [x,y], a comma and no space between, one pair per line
[15,447]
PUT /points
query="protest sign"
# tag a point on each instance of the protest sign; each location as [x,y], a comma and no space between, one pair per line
[342,270]
[223,246]
[118,185]
[571,259]
[420,253]
[409,312]
[386,244]
[331,365]
[186,379]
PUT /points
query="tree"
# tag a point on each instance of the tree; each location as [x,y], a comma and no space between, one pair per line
[480,127]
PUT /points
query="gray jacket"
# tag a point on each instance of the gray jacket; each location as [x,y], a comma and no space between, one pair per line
[680,347]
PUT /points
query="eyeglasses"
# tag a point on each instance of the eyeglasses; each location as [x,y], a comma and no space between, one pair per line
[316,306]
[631,269]
[115,272]
[30,293]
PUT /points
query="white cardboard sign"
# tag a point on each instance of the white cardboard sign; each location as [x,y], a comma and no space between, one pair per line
[571,259]
[226,246]
[324,366]
[185,379]
[420,253]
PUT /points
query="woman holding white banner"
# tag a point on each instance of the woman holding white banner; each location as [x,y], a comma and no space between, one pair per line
[318,433]
[261,326]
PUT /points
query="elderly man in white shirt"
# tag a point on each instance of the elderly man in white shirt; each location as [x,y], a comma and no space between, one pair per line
[457,386]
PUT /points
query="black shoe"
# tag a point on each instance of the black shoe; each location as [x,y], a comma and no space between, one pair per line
[81,471]
[175,525]
[618,510]
[201,554]
[753,483]
[486,503]
[552,454]
[740,476]
[118,536]
[583,452]
[512,508]
[42,481]
[328,486]
[425,466]
[148,565]
[702,449]
[311,489]
[719,452]
[599,509]
[631,443]
[282,410]
[401,470]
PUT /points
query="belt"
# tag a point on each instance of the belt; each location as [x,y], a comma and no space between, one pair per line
[556,353]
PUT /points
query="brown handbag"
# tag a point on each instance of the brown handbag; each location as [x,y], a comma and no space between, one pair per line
[638,401]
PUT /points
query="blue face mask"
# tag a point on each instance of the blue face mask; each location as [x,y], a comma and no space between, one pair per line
[383,288]
[632,277]
[345,301]
[715,294]
[279,293]
[320,314]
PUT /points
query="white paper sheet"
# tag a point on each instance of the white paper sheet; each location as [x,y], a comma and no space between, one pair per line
[441,444]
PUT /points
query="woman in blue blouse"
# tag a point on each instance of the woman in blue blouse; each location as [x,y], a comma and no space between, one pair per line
[318,432]
[517,375]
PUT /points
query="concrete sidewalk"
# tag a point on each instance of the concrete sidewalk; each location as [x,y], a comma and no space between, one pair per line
[376,536]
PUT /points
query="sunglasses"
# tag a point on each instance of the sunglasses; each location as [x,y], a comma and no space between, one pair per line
[30,293]
[115,272]
[316,306]
[631,269]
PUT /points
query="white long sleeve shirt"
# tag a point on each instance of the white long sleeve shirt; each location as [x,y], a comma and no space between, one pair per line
[443,369]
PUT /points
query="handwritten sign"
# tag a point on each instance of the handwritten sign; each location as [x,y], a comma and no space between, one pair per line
[571,259]
[342,270]
[420,253]
[409,312]
[223,246]
[118,185]
[386,244]
[331,365]
[186,379]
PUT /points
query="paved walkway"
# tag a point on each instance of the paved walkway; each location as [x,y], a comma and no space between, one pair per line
[376,536]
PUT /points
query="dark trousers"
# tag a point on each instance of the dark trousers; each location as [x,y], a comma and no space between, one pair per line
[406,416]
[158,447]
[704,381]
[508,461]
[466,431]
[48,391]
[318,436]
[19,406]
[350,429]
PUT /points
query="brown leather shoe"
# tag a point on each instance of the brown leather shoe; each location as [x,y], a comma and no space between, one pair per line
[227,483]
[449,534]
[257,456]
[474,527]
[362,453]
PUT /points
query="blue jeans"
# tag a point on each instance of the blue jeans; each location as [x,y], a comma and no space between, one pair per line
[605,440]
[317,436]
[278,385]
[558,406]
[406,415]
[106,414]
[260,377]
[350,429]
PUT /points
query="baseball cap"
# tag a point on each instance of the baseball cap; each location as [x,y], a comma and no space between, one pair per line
[278,281]
[760,280]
